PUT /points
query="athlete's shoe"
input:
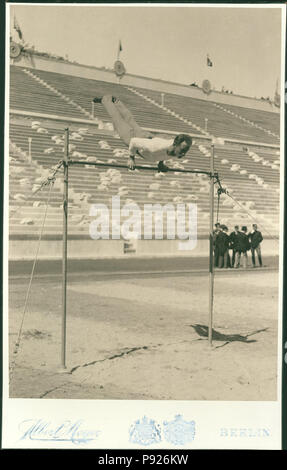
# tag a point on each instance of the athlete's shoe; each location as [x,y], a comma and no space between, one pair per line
[162,168]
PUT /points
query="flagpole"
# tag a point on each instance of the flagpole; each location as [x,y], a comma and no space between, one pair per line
[119,49]
[63,367]
[118,56]
[211,254]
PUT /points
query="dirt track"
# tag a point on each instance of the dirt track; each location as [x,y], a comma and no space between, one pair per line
[145,338]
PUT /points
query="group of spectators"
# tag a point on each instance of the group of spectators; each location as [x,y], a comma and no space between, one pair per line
[240,242]
[266,99]
[224,90]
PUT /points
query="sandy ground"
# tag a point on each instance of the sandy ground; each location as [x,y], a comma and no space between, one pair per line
[145,338]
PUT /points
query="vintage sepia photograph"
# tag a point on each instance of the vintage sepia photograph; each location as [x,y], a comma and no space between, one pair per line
[144,192]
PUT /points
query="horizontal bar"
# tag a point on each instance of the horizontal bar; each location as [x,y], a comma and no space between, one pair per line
[139,167]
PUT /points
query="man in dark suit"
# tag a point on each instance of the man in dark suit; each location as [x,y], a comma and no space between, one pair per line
[222,245]
[255,238]
[243,247]
[233,238]
[215,248]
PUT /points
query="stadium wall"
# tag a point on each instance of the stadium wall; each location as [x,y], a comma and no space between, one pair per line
[25,249]
[94,73]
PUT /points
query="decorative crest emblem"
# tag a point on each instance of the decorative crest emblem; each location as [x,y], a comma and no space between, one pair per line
[15,50]
[119,68]
[178,431]
[145,432]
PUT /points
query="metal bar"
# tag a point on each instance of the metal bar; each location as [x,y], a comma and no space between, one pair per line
[211,263]
[139,167]
[64,261]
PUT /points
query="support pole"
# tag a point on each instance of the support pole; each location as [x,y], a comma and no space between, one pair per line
[64,262]
[93,109]
[66,163]
[211,262]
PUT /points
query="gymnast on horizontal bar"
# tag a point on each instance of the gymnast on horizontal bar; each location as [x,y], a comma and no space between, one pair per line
[140,142]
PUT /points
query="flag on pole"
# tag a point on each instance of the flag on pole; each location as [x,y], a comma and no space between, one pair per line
[120,48]
[209,62]
[17,28]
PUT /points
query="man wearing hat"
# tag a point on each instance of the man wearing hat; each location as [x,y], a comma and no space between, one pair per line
[216,231]
[243,247]
[234,243]
[255,238]
[222,245]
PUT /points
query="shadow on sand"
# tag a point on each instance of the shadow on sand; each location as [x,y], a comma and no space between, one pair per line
[202,330]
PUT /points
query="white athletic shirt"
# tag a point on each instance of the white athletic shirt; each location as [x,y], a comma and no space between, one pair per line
[153,150]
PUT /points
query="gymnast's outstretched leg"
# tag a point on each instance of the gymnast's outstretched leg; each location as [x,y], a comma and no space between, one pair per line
[140,142]
[123,120]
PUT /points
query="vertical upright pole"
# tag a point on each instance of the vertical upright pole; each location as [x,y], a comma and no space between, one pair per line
[93,109]
[64,262]
[211,263]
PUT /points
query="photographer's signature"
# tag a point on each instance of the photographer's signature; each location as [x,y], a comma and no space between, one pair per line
[66,431]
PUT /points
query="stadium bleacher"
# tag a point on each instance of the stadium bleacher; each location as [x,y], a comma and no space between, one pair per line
[82,90]
[251,174]
[267,120]
[219,123]
[29,95]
